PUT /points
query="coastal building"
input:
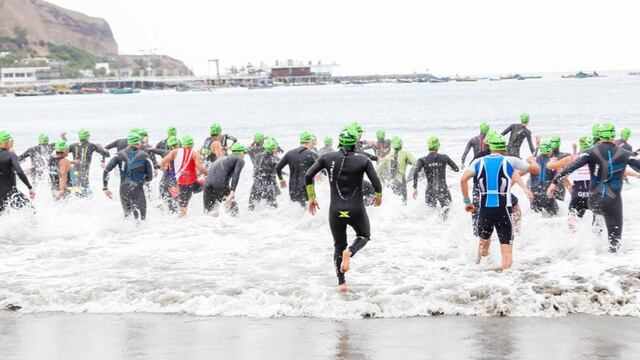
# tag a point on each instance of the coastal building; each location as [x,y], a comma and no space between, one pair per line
[298,73]
[20,75]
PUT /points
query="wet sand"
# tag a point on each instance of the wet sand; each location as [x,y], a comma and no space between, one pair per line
[157,336]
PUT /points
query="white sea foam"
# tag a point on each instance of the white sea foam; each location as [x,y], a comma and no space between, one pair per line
[81,256]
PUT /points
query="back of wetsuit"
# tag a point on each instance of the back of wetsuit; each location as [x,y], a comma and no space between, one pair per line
[134,167]
[494,176]
[540,182]
[435,170]
[225,173]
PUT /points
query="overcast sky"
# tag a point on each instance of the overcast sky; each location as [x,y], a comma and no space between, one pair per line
[369,37]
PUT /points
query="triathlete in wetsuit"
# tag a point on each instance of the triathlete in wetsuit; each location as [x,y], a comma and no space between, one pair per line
[361,145]
[328,145]
[346,169]
[434,166]
[9,168]
[558,155]
[624,138]
[222,181]
[398,165]
[60,171]
[186,164]
[135,170]
[264,185]
[39,156]
[540,183]
[494,174]
[257,147]
[171,132]
[119,144]
[476,143]
[578,182]
[299,161]
[382,145]
[519,133]
[213,147]
[82,154]
[607,163]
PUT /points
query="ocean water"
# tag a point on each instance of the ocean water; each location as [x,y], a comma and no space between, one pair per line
[82,256]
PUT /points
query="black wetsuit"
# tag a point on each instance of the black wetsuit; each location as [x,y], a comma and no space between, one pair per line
[223,178]
[9,194]
[135,170]
[83,151]
[625,145]
[518,132]
[39,156]
[607,163]
[360,147]
[539,185]
[119,145]
[346,170]
[167,182]
[264,186]
[253,150]
[325,149]
[561,192]
[477,144]
[162,145]
[435,171]
[299,161]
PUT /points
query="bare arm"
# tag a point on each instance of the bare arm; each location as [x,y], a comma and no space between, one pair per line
[64,171]
[198,163]
[168,159]
[217,149]
[559,164]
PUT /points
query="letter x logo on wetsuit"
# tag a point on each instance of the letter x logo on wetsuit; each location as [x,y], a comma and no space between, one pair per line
[344,214]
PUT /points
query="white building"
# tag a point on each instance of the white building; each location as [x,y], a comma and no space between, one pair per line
[19,75]
[104,66]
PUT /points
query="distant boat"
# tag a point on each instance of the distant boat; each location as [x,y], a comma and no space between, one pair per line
[404,81]
[635,73]
[34,93]
[124,91]
[582,75]
[520,77]
[90,90]
[465,79]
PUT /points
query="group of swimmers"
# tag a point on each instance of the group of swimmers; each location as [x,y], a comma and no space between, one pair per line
[594,176]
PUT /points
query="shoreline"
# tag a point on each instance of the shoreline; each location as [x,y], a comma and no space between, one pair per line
[152,336]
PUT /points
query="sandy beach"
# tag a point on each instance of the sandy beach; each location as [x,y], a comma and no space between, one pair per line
[156,336]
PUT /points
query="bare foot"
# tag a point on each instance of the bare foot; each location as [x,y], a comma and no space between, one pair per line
[346,259]
[342,288]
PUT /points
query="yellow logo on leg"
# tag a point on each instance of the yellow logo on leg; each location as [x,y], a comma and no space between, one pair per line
[344,214]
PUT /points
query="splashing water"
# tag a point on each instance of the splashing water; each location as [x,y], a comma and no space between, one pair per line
[81,256]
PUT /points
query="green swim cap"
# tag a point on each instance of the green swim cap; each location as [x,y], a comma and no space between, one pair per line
[348,136]
[546,148]
[595,130]
[187,141]
[484,128]
[133,139]
[396,143]
[380,134]
[555,142]
[83,134]
[328,140]
[306,137]
[270,145]
[172,142]
[258,137]
[625,134]
[143,133]
[607,131]
[357,127]
[497,142]
[238,148]
[524,118]
[43,139]
[433,143]
[172,131]
[4,137]
[585,142]
[61,146]
[216,129]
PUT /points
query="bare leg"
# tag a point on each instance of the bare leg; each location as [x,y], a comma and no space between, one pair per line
[507,256]
[182,212]
[483,249]
[517,218]
[346,260]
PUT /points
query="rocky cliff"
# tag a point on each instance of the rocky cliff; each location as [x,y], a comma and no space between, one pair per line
[47,23]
